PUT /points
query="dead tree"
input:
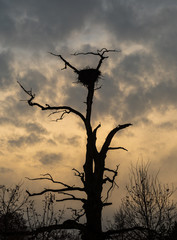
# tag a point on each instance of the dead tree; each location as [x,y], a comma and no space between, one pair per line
[93,176]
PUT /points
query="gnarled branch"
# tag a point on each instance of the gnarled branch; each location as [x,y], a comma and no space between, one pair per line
[62,112]
[66,109]
[112,181]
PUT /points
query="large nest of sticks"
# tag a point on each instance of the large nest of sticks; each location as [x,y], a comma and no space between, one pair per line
[88,76]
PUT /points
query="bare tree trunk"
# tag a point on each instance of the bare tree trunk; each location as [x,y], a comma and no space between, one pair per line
[93,179]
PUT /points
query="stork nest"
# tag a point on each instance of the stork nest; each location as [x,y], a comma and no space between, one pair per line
[88,76]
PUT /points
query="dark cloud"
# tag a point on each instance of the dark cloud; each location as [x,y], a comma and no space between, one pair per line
[160,97]
[135,69]
[168,125]
[139,21]
[35,127]
[33,79]
[73,141]
[76,96]
[163,94]
[52,142]
[14,111]
[141,81]
[106,102]
[168,162]
[5,120]
[29,127]
[49,158]
[27,140]
[42,24]
[6,70]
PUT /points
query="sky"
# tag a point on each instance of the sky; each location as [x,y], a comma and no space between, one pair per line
[138,85]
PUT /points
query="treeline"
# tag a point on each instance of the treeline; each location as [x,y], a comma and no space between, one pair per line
[20,217]
[147,212]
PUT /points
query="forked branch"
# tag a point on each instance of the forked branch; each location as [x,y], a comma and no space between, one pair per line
[99,53]
[110,136]
[77,213]
[80,175]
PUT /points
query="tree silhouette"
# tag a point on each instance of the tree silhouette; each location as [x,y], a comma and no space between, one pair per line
[93,177]
[12,204]
[148,204]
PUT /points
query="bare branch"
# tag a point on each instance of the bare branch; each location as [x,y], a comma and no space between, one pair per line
[79,174]
[95,130]
[63,112]
[66,109]
[97,88]
[72,197]
[102,57]
[86,53]
[50,178]
[66,63]
[69,199]
[94,133]
[47,176]
[110,170]
[56,190]
[77,214]
[112,181]
[55,112]
[105,50]
[107,204]
[99,53]
[116,148]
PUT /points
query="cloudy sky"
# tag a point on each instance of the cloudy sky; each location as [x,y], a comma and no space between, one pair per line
[139,85]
